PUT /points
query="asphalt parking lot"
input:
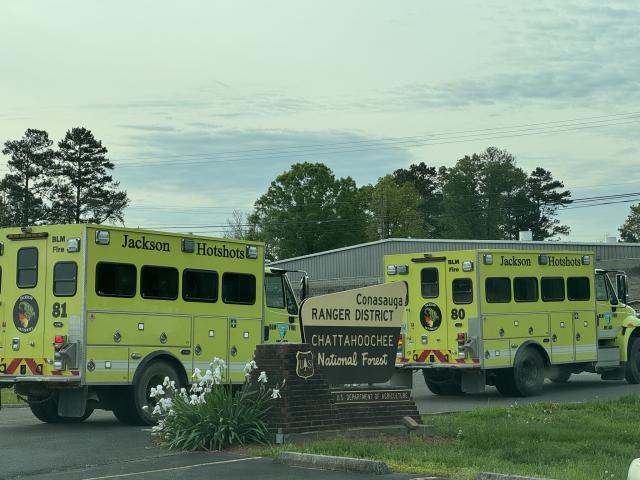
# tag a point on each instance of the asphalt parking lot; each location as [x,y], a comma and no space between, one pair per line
[102,448]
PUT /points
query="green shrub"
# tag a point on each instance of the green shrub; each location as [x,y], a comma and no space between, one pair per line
[212,415]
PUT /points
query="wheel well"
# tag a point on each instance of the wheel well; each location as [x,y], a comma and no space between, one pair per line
[162,357]
[635,333]
[538,348]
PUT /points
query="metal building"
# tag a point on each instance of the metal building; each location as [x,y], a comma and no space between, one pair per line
[360,265]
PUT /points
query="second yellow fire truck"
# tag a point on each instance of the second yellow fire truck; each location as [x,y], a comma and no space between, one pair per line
[510,318]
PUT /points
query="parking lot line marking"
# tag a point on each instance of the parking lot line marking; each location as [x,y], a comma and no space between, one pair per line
[122,475]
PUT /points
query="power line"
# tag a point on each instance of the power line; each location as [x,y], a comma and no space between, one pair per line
[233,157]
[630,115]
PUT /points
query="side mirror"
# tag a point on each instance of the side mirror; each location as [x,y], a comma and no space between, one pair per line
[622,288]
[304,288]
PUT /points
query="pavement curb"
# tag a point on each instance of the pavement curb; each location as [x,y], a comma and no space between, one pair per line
[327,462]
[502,476]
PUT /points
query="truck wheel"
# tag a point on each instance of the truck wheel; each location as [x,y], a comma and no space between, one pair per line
[129,409]
[528,373]
[559,375]
[632,367]
[47,412]
[442,382]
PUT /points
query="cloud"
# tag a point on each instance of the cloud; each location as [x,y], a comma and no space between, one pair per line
[150,128]
[178,172]
[568,54]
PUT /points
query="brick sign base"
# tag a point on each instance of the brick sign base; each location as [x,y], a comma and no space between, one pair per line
[309,404]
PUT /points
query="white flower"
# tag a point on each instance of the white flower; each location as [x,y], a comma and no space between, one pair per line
[250,367]
[217,375]
[275,393]
[166,382]
[153,392]
[166,403]
[263,377]
[196,374]
[156,410]
[160,390]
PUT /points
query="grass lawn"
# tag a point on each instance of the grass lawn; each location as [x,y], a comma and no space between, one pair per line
[8,396]
[589,441]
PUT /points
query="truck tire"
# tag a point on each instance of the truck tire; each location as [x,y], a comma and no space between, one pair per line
[632,367]
[47,411]
[128,407]
[442,382]
[528,373]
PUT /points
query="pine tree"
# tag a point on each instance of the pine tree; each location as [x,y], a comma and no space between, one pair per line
[83,190]
[28,180]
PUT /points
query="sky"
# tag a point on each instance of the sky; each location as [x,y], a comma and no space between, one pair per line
[201,104]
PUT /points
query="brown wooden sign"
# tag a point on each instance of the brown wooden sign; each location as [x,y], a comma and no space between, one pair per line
[354,334]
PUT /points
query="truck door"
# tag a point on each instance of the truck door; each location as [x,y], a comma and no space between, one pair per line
[24,278]
[281,310]
[428,327]
[606,302]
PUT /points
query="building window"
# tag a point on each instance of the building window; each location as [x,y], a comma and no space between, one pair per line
[27,267]
[525,289]
[115,279]
[65,279]
[429,282]
[578,289]
[462,290]
[498,290]
[239,288]
[159,283]
[200,286]
[552,289]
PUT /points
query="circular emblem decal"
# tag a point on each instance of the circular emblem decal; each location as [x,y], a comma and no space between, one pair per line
[25,313]
[430,316]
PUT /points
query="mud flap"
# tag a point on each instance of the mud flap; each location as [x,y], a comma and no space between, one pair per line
[473,381]
[72,402]
[402,377]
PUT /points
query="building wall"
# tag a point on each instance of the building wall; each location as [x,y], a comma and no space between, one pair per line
[362,265]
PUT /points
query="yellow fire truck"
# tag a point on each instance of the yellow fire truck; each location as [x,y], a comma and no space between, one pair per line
[510,318]
[93,316]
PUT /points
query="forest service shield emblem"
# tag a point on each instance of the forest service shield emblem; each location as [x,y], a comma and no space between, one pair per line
[304,364]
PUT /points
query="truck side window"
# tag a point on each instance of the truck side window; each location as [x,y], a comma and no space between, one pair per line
[274,291]
[429,282]
[462,290]
[552,289]
[159,283]
[578,288]
[115,279]
[498,290]
[65,279]
[601,288]
[525,289]
[292,305]
[200,286]
[239,288]
[27,267]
